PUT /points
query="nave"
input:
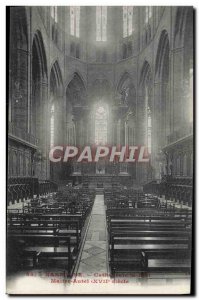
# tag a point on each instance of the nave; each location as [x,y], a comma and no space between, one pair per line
[102,78]
[117,235]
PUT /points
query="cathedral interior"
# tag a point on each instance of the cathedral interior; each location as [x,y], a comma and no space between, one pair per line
[100,75]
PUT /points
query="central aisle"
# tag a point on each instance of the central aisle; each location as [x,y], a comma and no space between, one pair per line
[94,253]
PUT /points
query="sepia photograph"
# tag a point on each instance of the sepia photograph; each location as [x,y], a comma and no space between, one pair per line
[100,150]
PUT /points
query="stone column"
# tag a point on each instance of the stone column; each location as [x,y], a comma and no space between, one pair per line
[141,133]
[77,120]
[141,121]
[177,88]
[120,112]
[45,130]
[157,134]
[122,132]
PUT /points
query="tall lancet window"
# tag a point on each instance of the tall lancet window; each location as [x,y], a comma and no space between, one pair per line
[148,14]
[52,125]
[127,20]
[101,125]
[74,20]
[148,120]
[53,12]
[101,23]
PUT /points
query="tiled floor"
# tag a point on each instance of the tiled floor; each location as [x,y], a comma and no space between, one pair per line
[94,254]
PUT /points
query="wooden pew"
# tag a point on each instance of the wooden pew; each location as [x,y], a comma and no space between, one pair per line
[167,260]
[24,217]
[40,246]
[149,221]
[147,225]
[127,251]
[67,227]
[132,235]
[148,212]
[36,231]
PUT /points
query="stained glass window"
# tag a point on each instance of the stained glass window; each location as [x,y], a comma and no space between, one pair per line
[148,14]
[101,23]
[74,20]
[127,20]
[101,125]
[53,12]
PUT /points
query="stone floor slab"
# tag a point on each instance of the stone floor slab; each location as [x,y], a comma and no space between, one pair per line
[94,252]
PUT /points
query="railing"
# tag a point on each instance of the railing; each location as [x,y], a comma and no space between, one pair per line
[22,134]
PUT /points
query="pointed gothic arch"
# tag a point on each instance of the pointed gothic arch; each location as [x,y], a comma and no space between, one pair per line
[145,104]
[162,78]
[76,91]
[126,84]
[39,83]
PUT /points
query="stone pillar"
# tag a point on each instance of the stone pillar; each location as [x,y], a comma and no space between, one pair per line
[122,132]
[45,130]
[177,106]
[78,130]
[141,121]
[157,134]
[81,124]
[122,165]
[141,134]
[126,142]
